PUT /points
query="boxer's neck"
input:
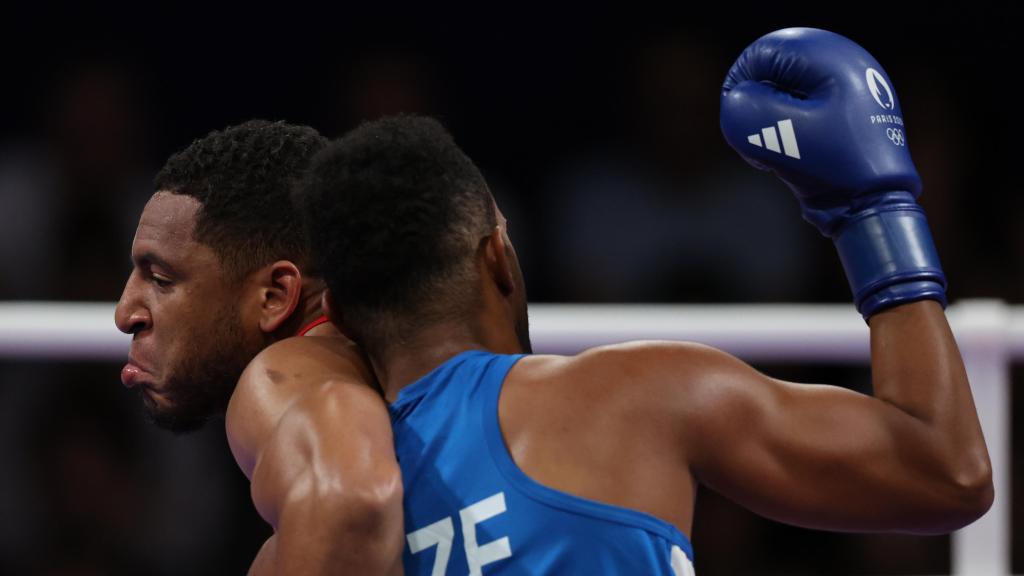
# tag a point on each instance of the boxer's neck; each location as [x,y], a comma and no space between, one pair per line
[408,359]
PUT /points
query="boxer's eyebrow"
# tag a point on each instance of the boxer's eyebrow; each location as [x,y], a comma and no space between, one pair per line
[141,260]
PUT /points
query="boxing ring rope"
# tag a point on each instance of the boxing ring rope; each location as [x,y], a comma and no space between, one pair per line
[990,335]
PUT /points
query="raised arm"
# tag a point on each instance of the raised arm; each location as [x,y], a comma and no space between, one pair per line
[820,112]
[909,459]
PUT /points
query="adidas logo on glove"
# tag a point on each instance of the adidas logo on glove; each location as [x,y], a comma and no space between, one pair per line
[771,139]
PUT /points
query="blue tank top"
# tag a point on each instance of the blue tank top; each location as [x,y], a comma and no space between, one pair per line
[470,510]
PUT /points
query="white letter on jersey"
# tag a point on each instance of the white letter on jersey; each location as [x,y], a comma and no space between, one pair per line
[681,565]
[441,533]
[476,555]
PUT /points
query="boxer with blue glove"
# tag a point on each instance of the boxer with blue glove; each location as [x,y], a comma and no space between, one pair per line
[515,463]
[820,112]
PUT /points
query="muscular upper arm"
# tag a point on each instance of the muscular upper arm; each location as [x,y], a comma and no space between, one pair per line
[329,484]
[334,439]
[812,455]
[276,378]
[315,439]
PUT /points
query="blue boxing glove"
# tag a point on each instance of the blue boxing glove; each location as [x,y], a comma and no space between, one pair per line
[817,110]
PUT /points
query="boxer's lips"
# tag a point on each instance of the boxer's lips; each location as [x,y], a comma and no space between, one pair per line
[134,373]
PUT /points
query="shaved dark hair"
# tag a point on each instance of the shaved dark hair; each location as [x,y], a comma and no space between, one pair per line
[398,213]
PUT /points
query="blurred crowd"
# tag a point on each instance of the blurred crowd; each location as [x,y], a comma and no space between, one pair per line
[601,143]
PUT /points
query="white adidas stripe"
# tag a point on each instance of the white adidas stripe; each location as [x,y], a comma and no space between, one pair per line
[789,139]
[771,139]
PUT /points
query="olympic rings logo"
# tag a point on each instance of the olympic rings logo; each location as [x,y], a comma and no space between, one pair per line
[896,135]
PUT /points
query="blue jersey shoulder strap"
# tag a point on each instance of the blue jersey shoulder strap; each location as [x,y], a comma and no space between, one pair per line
[470,509]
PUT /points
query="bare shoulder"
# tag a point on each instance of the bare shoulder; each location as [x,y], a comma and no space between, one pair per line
[301,356]
[640,363]
[321,422]
[300,372]
[615,423]
[683,380]
[289,367]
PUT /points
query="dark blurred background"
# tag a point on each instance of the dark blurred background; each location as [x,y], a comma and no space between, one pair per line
[597,129]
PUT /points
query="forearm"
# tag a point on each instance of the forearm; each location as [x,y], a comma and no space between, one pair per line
[917,368]
[912,458]
[916,365]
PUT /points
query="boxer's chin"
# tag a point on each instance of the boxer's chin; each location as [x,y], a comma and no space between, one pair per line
[200,386]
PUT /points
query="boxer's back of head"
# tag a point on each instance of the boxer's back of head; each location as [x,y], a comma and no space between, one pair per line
[397,212]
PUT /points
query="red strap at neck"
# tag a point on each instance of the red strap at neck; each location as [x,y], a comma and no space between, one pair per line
[312,325]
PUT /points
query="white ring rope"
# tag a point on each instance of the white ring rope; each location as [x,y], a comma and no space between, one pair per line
[789,332]
[990,335]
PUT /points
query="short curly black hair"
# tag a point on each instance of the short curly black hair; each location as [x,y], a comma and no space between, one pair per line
[245,178]
[397,212]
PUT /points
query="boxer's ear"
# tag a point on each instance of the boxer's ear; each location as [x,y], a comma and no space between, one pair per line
[278,292]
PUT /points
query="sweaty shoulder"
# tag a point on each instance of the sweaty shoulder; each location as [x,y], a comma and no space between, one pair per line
[641,366]
[671,386]
[614,424]
[280,375]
